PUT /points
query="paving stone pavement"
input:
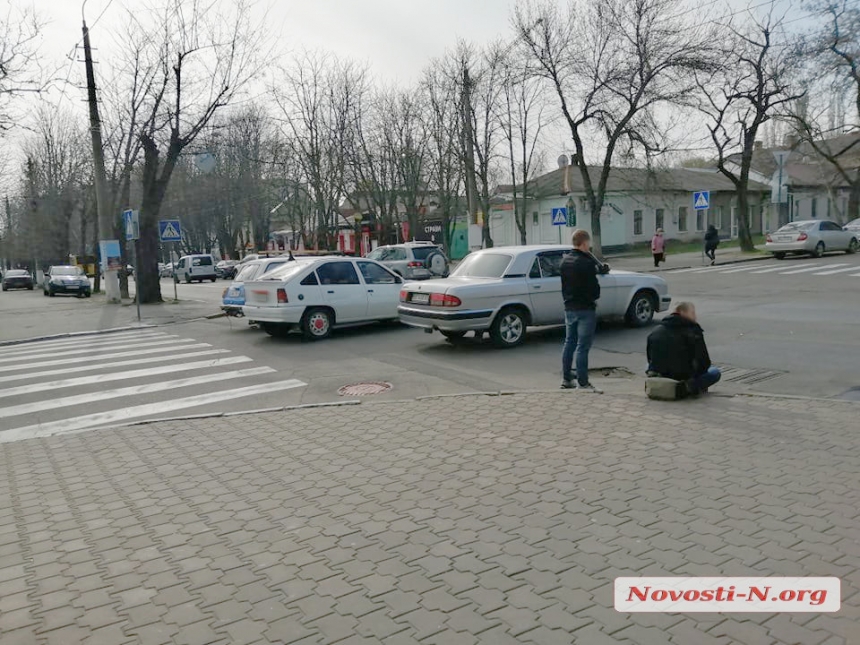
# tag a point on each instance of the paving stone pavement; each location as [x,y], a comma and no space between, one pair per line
[440,521]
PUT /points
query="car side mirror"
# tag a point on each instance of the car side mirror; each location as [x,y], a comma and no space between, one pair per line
[398,279]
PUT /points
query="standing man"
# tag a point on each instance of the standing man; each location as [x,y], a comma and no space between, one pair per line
[580,289]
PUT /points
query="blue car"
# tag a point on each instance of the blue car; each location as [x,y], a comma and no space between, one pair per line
[234,296]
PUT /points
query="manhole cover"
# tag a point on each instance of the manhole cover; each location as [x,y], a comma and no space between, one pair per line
[364,389]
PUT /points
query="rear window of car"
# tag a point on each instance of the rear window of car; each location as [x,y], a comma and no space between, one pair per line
[201,261]
[797,226]
[286,271]
[422,253]
[854,223]
[483,265]
[247,273]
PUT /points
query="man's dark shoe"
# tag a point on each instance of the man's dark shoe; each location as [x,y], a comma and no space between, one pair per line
[567,384]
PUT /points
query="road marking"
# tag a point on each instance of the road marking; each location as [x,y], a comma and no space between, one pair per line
[777,268]
[855,275]
[747,268]
[98,366]
[123,376]
[835,271]
[134,390]
[89,359]
[89,421]
[90,350]
[807,269]
[35,345]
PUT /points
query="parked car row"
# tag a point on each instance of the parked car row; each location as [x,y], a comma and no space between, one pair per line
[502,291]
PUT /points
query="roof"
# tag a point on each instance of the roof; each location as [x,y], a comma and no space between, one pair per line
[638,180]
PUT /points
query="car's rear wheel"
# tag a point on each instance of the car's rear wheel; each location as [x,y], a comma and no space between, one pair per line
[278,330]
[852,246]
[509,328]
[779,256]
[214,279]
[819,250]
[317,323]
[641,309]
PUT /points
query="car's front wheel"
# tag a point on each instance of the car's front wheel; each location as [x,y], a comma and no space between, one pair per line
[641,309]
[852,246]
[509,328]
[317,323]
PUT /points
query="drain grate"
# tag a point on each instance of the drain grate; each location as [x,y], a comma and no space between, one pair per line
[365,389]
[748,376]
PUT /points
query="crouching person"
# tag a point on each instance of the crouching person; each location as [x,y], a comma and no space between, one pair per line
[677,351]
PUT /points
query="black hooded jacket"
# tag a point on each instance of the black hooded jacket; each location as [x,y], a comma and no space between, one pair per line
[712,238]
[579,286]
[677,350]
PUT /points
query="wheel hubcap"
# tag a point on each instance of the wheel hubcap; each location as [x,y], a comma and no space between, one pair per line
[643,309]
[511,328]
[318,324]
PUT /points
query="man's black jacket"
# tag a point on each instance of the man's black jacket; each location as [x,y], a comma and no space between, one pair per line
[579,286]
[677,350]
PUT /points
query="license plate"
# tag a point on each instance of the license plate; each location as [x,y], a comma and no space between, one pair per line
[420,298]
[785,238]
[71,286]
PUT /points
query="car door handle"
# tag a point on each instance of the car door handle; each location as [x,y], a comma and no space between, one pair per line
[331,291]
[535,286]
[370,291]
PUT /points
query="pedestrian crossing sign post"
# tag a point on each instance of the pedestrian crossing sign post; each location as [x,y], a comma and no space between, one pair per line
[702,200]
[169,230]
[559,216]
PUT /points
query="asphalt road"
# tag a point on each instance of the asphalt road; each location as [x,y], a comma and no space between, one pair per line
[785,327]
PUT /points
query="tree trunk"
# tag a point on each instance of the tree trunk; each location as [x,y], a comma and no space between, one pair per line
[854,199]
[146,267]
[596,205]
[744,235]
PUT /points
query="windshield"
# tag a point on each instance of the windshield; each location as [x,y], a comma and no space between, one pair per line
[66,271]
[379,254]
[16,273]
[854,223]
[288,270]
[483,265]
[797,226]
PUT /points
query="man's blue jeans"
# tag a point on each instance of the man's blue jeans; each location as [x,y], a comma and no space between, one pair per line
[579,332]
[706,380]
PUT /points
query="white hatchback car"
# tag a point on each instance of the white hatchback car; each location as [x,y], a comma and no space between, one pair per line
[503,290]
[317,294]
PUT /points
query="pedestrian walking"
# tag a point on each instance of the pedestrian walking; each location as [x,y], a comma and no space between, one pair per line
[581,290]
[712,241]
[658,247]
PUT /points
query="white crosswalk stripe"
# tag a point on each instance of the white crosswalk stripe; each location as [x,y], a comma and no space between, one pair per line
[58,386]
[780,268]
[845,270]
[813,268]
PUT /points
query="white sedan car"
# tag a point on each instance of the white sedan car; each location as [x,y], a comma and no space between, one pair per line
[815,237]
[504,290]
[317,294]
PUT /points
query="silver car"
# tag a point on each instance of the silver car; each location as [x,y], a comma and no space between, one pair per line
[412,260]
[504,290]
[814,237]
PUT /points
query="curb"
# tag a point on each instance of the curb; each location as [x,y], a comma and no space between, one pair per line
[726,263]
[76,334]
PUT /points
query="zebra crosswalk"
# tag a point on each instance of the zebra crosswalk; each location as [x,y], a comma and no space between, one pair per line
[847,268]
[72,385]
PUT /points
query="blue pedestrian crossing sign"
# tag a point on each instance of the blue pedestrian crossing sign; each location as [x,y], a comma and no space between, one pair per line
[559,216]
[131,223]
[702,200]
[169,230]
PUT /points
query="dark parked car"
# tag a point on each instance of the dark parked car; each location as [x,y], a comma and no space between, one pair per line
[226,269]
[67,279]
[17,279]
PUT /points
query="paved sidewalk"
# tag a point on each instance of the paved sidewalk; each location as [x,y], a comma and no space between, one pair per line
[441,521]
[682,260]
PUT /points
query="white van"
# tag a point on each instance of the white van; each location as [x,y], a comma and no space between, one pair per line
[195,267]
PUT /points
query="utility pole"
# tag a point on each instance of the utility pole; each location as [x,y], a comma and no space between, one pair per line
[105,220]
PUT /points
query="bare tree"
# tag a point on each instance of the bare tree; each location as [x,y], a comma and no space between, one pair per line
[317,104]
[751,88]
[441,94]
[832,58]
[204,55]
[521,116]
[20,31]
[611,65]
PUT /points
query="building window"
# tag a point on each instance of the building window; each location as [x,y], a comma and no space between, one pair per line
[658,218]
[637,222]
[682,219]
[701,218]
[718,217]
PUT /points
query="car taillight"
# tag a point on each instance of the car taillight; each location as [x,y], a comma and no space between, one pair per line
[415,264]
[802,237]
[282,296]
[768,238]
[444,300]
[404,295]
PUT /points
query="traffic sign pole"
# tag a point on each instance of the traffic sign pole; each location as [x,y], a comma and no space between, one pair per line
[175,295]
